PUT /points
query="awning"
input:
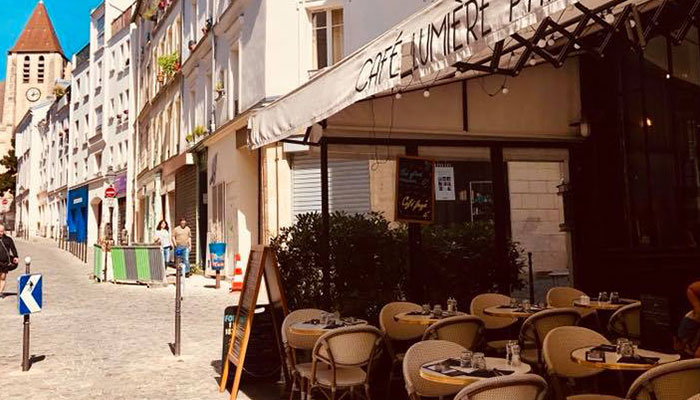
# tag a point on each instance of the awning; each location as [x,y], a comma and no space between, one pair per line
[429,44]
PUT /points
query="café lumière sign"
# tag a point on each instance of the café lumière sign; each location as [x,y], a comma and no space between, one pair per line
[440,35]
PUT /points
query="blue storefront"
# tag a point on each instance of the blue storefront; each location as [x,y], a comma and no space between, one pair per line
[77,214]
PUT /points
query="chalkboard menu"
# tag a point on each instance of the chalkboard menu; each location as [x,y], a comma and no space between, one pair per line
[260,262]
[415,199]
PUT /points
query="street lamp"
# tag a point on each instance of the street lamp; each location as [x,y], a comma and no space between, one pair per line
[110,177]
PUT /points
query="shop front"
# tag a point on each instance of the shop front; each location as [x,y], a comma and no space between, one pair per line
[529,134]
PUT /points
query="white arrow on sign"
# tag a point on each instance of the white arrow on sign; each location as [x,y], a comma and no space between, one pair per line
[27,296]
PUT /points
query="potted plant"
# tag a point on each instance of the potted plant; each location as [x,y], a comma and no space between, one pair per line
[199,131]
[220,91]
[160,77]
[59,91]
[169,64]
[162,4]
[150,14]
[207,26]
[191,45]
[189,138]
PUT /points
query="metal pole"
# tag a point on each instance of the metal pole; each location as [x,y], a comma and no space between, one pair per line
[25,336]
[178,304]
[325,224]
[532,278]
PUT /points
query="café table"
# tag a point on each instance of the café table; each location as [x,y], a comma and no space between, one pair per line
[613,362]
[417,318]
[464,379]
[316,328]
[604,305]
[511,312]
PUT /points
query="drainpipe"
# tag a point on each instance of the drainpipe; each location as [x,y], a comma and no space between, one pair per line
[214,71]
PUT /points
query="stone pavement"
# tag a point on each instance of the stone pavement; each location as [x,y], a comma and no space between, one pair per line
[106,341]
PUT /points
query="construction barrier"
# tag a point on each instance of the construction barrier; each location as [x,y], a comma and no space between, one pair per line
[237,284]
[137,264]
[97,263]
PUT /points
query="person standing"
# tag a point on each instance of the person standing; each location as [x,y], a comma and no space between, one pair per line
[163,239]
[182,238]
[8,258]
[688,338]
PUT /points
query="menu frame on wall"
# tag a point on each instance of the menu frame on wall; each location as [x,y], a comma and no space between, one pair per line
[419,195]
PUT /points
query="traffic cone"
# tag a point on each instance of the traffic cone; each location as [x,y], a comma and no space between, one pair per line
[237,284]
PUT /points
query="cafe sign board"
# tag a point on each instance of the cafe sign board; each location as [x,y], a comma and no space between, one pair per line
[415,199]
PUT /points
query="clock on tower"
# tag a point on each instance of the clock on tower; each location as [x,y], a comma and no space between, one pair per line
[33,94]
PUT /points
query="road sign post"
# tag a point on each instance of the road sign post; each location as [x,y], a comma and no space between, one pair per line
[29,300]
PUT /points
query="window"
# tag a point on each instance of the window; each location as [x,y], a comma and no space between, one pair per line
[100,26]
[26,69]
[98,116]
[40,70]
[327,38]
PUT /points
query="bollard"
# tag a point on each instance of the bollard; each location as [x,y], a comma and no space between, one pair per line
[25,336]
[178,304]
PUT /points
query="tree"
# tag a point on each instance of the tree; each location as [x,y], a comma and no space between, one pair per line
[9,162]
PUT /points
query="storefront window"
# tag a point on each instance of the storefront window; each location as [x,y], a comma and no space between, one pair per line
[686,58]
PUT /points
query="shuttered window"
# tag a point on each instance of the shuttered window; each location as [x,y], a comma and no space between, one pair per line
[348,185]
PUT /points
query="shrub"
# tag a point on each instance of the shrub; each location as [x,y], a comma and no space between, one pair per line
[369,259]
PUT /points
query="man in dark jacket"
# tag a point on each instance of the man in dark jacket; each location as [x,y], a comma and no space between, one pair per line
[8,258]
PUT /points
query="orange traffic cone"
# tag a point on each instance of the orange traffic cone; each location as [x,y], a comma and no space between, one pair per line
[237,284]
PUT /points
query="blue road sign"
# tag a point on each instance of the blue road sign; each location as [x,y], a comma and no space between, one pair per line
[29,297]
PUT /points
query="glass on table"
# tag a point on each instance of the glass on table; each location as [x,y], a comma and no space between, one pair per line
[479,361]
[619,344]
[515,357]
[325,317]
[465,359]
[509,350]
[437,311]
[513,302]
[526,305]
[614,297]
[426,309]
[584,300]
[603,297]
[627,349]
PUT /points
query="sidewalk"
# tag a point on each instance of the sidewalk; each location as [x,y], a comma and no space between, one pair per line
[107,341]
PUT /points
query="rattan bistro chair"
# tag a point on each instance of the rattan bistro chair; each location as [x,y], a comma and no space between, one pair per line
[696,397]
[395,332]
[625,322]
[537,326]
[465,330]
[342,360]
[421,353]
[491,323]
[564,297]
[557,348]
[673,381]
[520,387]
[593,397]
[293,342]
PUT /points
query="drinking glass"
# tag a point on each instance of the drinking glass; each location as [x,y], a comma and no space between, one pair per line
[603,297]
[513,302]
[479,361]
[526,305]
[620,344]
[627,349]
[437,310]
[324,317]
[614,297]
[426,309]
[465,360]
[585,300]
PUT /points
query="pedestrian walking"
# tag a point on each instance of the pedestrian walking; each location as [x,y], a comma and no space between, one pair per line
[163,239]
[182,238]
[9,259]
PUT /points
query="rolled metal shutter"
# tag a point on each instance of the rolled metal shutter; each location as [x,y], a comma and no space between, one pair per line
[348,182]
[186,203]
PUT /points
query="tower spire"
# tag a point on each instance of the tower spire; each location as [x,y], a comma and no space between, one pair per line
[38,34]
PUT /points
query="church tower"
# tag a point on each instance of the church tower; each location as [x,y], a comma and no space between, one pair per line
[34,64]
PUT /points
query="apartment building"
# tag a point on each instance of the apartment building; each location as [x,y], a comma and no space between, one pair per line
[165,175]
[100,125]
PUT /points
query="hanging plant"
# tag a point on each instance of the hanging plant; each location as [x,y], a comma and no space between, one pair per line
[199,130]
[220,91]
[162,4]
[191,45]
[189,138]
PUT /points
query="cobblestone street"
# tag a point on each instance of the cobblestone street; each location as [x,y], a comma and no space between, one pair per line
[106,341]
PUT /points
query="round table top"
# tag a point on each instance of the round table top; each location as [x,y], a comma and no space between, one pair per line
[579,356]
[464,380]
[605,305]
[510,312]
[408,318]
[307,328]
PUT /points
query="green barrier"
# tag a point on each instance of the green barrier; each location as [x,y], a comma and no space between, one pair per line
[98,268]
[118,264]
[137,264]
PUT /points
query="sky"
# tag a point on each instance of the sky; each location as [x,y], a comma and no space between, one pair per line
[71,20]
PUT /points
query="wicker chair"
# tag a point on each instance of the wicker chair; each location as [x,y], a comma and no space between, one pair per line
[564,296]
[492,324]
[625,322]
[520,387]
[397,332]
[673,381]
[421,353]
[537,326]
[556,349]
[293,342]
[342,360]
[696,397]
[593,397]
[465,330]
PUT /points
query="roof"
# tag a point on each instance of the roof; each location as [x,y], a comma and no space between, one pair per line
[38,34]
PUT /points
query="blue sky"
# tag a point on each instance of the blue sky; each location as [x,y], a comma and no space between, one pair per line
[71,20]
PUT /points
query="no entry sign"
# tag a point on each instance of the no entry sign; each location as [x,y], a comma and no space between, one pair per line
[110,192]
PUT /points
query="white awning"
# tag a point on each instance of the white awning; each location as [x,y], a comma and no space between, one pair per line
[415,52]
